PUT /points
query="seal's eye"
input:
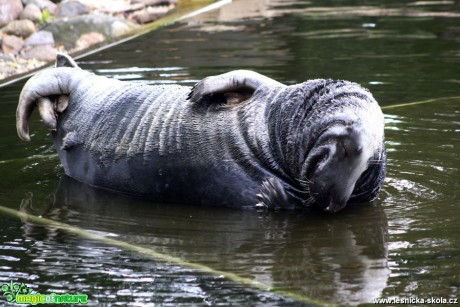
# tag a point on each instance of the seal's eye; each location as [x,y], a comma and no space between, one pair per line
[344,150]
[348,147]
[317,163]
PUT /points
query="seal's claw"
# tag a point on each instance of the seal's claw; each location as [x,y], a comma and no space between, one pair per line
[260,206]
[63,60]
[273,195]
[61,104]
[190,94]
[46,110]
[200,90]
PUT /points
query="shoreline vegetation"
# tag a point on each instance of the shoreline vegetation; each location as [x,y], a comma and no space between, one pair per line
[33,31]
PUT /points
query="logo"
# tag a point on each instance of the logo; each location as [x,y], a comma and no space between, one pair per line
[19,293]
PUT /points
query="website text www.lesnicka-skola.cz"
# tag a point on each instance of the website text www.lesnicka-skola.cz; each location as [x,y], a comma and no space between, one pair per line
[414,300]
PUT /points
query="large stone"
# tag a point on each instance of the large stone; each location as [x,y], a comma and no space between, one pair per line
[6,57]
[40,38]
[45,53]
[43,4]
[89,39]
[71,8]
[150,13]
[21,28]
[31,12]
[67,31]
[9,11]
[153,2]
[121,28]
[111,7]
[11,44]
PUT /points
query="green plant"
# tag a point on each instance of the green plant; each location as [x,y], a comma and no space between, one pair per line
[46,17]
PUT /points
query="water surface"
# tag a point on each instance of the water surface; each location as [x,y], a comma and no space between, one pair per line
[404,244]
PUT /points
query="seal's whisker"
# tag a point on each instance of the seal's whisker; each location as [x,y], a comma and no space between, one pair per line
[305,184]
[309,201]
[306,180]
[306,188]
[303,192]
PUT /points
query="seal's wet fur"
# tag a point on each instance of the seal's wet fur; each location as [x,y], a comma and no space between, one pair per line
[237,139]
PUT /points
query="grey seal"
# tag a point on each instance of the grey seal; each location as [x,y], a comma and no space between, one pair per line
[238,139]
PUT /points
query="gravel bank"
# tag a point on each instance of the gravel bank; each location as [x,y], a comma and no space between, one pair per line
[33,31]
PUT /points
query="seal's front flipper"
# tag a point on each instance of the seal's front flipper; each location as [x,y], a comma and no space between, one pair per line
[273,195]
[233,87]
[49,91]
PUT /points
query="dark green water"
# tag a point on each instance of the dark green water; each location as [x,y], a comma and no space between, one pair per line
[405,244]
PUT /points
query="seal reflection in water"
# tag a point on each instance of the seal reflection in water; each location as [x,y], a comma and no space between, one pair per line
[238,139]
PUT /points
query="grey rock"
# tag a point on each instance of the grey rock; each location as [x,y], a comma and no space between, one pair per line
[43,4]
[31,12]
[6,57]
[45,53]
[153,2]
[9,11]
[88,39]
[71,8]
[68,30]
[21,28]
[40,38]
[150,13]
[121,28]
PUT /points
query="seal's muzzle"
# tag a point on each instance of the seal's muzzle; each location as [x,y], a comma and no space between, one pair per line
[340,162]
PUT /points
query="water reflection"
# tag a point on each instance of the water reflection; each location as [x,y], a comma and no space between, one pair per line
[343,258]
[420,196]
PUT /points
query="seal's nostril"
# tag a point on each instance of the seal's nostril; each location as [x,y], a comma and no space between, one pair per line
[344,149]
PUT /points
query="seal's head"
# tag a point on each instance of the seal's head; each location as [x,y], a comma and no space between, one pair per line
[334,144]
[342,154]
